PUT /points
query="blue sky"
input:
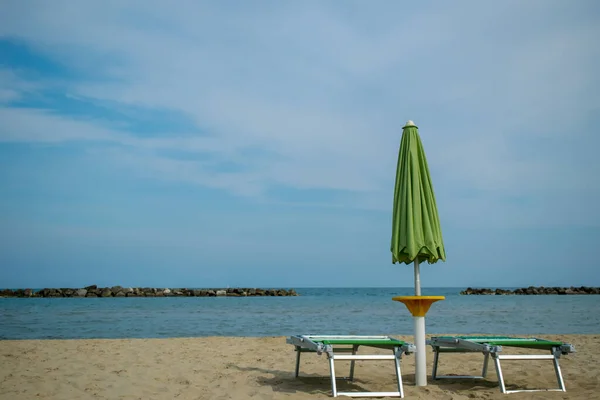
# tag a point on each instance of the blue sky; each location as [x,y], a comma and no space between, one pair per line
[255,143]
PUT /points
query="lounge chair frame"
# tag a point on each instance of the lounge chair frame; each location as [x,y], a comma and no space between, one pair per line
[493,346]
[333,345]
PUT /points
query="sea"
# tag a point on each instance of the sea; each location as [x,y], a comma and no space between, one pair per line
[344,311]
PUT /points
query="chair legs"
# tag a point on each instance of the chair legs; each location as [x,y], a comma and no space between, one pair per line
[353,357]
[497,363]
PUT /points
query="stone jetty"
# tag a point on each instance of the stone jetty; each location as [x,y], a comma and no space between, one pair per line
[119,291]
[533,290]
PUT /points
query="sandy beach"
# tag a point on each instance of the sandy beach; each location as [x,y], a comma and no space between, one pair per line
[260,368]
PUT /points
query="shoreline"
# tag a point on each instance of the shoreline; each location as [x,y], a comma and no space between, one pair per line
[94,291]
[220,367]
[534,290]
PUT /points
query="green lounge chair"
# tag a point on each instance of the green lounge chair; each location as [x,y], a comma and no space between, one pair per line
[333,345]
[493,345]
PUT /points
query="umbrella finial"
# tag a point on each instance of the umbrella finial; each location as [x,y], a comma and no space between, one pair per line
[409,123]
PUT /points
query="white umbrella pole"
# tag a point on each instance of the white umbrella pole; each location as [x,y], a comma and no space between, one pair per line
[420,355]
[417,278]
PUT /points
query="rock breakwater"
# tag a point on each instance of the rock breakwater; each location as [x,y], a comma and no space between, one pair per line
[533,290]
[119,291]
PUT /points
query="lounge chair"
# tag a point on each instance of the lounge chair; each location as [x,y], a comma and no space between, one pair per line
[493,345]
[333,345]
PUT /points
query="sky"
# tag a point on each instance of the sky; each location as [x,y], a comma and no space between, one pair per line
[254,144]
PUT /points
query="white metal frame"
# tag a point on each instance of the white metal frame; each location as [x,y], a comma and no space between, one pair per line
[458,345]
[313,343]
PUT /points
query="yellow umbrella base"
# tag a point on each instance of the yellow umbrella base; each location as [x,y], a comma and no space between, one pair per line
[418,305]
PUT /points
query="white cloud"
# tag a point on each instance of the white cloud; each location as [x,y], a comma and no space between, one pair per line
[7,95]
[325,91]
[40,126]
[13,87]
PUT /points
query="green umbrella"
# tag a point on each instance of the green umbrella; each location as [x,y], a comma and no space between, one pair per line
[416,232]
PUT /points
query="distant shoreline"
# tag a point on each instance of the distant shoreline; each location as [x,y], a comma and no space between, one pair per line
[119,291]
[533,290]
[95,291]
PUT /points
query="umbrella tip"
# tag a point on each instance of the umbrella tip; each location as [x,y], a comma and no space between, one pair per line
[409,123]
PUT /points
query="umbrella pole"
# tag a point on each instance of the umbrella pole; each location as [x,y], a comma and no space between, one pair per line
[420,356]
[417,278]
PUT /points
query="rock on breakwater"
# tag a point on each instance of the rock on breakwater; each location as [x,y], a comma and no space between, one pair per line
[532,290]
[119,291]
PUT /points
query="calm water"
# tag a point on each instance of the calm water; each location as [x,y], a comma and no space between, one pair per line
[322,310]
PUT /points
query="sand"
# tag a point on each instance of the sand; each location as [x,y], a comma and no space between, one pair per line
[259,368]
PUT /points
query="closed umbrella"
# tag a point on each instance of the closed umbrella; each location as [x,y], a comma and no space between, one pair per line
[416,231]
